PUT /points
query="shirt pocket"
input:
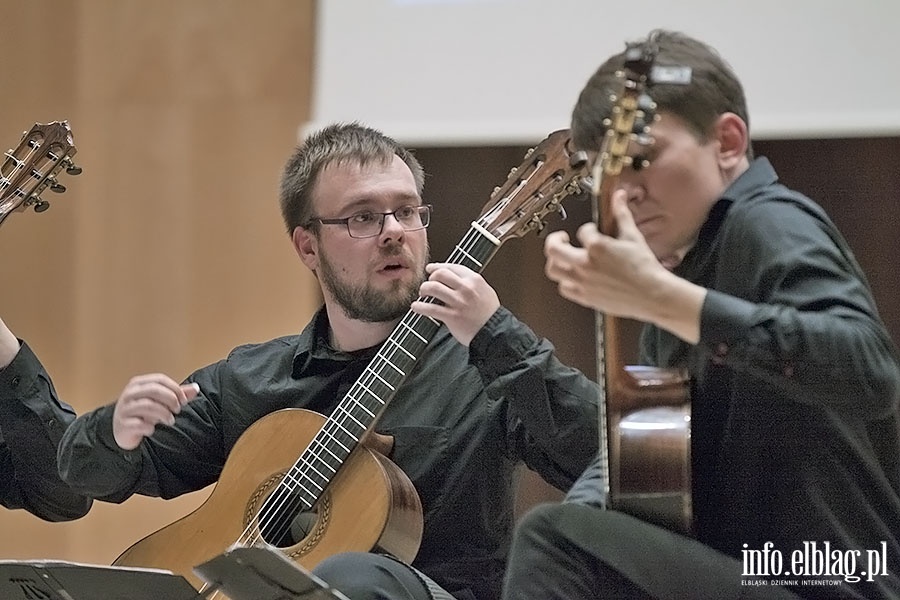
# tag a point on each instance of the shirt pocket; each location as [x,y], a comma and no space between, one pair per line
[422,452]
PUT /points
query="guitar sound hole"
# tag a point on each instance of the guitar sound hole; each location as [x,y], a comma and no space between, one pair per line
[283,524]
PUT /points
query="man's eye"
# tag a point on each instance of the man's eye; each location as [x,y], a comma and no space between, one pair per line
[405,213]
[363,218]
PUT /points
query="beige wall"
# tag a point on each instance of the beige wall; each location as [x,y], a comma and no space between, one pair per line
[168,250]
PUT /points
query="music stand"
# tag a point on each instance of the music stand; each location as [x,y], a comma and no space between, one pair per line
[61,580]
[262,573]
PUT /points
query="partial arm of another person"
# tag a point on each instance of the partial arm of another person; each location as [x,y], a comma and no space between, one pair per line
[32,422]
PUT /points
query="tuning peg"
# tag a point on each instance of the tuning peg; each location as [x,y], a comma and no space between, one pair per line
[646,103]
[41,205]
[578,159]
[71,167]
[57,187]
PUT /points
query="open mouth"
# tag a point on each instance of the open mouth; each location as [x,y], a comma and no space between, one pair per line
[392,267]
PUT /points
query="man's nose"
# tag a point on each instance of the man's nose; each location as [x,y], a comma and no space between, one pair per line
[391,226]
[633,189]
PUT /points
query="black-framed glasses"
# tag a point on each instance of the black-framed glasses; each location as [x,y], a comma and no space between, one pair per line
[369,224]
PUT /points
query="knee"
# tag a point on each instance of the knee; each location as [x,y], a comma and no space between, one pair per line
[545,518]
[536,527]
[539,518]
[547,523]
[350,572]
[368,576]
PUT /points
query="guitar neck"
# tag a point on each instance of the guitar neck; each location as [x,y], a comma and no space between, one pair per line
[384,375]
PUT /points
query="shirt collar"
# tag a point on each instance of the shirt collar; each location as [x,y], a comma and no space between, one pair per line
[314,347]
[759,175]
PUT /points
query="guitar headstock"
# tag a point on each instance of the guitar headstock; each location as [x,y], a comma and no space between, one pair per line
[549,172]
[33,166]
[632,114]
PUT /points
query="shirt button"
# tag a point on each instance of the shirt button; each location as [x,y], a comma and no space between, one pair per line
[788,370]
[719,354]
[15,381]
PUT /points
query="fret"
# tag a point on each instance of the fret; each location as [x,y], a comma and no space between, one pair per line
[400,347]
[469,256]
[349,415]
[369,391]
[317,462]
[334,439]
[384,381]
[360,405]
[414,332]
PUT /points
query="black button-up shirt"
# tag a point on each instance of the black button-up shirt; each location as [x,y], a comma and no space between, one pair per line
[32,421]
[795,428]
[462,421]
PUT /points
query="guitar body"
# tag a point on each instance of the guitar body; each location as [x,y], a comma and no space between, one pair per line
[370,504]
[650,447]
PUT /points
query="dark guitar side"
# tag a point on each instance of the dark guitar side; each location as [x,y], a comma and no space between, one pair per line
[370,504]
[650,446]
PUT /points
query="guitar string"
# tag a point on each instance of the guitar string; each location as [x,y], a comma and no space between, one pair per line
[20,164]
[296,477]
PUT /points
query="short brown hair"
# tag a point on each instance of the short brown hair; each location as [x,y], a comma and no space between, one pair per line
[713,90]
[336,143]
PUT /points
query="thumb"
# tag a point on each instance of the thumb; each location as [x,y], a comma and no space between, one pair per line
[624,219]
[190,391]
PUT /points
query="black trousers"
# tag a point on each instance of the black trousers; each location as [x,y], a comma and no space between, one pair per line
[572,552]
[370,576]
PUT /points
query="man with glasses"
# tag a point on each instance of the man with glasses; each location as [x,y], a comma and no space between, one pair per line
[486,396]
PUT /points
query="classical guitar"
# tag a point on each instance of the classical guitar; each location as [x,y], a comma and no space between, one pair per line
[33,166]
[339,494]
[644,411]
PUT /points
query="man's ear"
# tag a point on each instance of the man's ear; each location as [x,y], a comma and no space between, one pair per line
[307,246]
[733,137]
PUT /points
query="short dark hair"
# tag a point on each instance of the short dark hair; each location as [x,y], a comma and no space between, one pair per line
[713,90]
[336,143]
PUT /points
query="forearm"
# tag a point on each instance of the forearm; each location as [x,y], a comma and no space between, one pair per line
[839,357]
[675,305]
[92,463]
[552,407]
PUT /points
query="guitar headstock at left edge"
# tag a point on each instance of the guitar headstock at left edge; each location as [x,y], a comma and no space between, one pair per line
[34,165]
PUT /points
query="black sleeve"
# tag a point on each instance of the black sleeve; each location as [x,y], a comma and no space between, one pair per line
[551,409]
[32,422]
[805,320]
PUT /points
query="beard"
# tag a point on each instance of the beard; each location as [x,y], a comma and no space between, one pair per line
[364,303]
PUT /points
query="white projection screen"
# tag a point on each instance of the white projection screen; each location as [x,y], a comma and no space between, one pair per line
[507,72]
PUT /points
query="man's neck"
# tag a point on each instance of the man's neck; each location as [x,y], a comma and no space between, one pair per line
[349,335]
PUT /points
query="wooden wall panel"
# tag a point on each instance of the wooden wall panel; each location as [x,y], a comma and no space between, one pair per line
[168,250]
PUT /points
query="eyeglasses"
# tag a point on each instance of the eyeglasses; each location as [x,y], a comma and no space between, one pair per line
[369,224]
